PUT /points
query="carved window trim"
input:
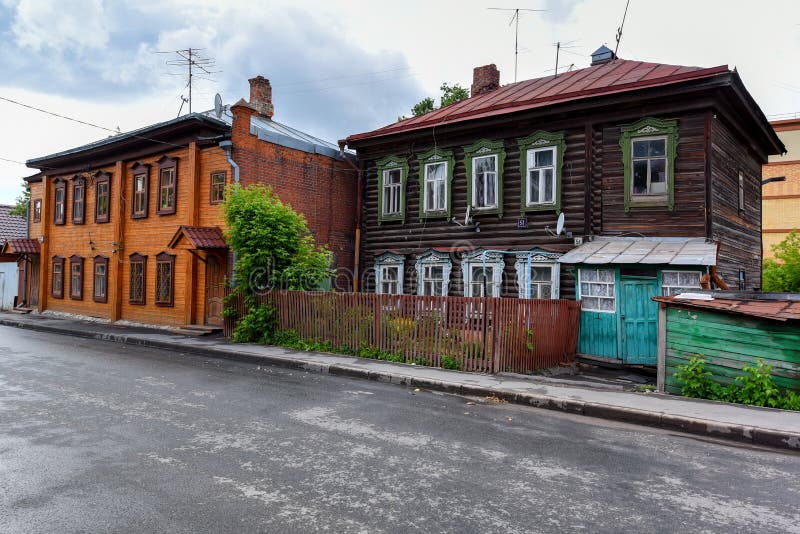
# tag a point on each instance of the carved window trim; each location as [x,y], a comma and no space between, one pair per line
[539,259]
[100,274]
[528,147]
[76,272]
[138,263]
[433,259]
[59,204]
[217,187]
[495,265]
[167,194]
[165,266]
[385,166]
[388,262]
[102,190]
[649,128]
[140,197]
[78,200]
[428,159]
[481,149]
[57,278]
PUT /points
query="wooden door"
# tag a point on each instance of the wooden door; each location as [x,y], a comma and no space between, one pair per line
[215,289]
[33,282]
[639,321]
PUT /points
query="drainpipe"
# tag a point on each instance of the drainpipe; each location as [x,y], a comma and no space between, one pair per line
[25,257]
[359,173]
[227,146]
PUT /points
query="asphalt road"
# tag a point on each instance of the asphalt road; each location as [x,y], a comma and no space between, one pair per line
[100,437]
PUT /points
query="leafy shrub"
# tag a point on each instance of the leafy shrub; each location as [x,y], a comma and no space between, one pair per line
[756,387]
[257,326]
[450,362]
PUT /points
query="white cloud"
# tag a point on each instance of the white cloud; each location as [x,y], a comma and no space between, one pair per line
[60,25]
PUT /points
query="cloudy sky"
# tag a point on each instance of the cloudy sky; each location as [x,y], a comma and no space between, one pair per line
[341,67]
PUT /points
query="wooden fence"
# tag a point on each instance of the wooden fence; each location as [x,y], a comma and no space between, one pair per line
[481,334]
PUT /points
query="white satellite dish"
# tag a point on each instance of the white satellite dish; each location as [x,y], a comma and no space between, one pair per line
[218,105]
[560,224]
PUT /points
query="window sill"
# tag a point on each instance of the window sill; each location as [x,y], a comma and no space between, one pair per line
[165,304]
[434,215]
[139,216]
[166,212]
[487,211]
[101,300]
[540,207]
[101,221]
[390,218]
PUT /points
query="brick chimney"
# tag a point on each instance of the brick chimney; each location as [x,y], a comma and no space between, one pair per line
[261,96]
[485,79]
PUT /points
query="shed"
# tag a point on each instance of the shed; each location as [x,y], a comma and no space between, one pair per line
[730,330]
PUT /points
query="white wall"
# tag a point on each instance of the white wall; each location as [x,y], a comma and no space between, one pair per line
[9,284]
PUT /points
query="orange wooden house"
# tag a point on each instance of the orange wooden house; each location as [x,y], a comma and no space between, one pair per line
[131,227]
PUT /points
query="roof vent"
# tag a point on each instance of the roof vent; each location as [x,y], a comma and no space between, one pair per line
[603,55]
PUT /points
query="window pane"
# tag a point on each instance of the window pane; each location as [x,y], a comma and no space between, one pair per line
[480,192]
[430,188]
[588,275]
[657,147]
[484,164]
[669,278]
[540,274]
[548,185]
[490,189]
[533,180]
[589,303]
[640,177]
[640,149]
[392,176]
[658,176]
[690,279]
[544,158]
[605,275]
[607,304]
[584,288]
[441,198]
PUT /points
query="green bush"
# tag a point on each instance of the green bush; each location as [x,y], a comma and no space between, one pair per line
[756,387]
[257,326]
[450,362]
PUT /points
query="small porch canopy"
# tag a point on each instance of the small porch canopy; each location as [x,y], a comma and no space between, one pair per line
[644,250]
[14,248]
[198,238]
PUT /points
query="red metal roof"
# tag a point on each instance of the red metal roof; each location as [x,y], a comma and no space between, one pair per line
[201,237]
[780,310]
[21,246]
[614,77]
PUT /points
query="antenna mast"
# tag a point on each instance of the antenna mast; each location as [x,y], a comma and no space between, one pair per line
[515,19]
[619,30]
[197,65]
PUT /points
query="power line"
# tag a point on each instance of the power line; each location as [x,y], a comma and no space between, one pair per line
[515,18]
[621,26]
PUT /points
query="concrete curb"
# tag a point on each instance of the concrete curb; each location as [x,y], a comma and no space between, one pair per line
[705,427]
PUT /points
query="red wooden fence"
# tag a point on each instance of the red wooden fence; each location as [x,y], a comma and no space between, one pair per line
[482,334]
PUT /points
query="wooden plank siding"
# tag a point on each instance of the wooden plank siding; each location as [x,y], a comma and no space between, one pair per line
[738,232]
[729,342]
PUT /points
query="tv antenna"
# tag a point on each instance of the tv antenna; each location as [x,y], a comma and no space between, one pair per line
[559,46]
[619,30]
[218,108]
[197,65]
[515,20]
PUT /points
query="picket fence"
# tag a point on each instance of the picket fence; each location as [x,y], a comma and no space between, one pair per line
[482,334]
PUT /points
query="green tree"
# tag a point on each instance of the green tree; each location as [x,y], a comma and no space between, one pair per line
[21,204]
[450,95]
[782,274]
[273,245]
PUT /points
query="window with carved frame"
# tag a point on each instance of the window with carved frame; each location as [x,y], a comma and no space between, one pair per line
[167,186]
[165,279]
[78,200]
[138,279]
[59,202]
[76,277]
[57,278]
[102,198]
[100,282]
[139,190]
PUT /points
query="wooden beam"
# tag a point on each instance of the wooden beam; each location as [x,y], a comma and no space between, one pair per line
[44,246]
[662,348]
[117,261]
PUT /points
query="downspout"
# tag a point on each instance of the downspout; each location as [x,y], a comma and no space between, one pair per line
[359,173]
[25,259]
[227,146]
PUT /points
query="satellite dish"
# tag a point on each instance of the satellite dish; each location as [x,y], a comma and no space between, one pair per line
[560,224]
[218,105]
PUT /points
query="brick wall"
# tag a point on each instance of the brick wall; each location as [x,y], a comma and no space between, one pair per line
[780,203]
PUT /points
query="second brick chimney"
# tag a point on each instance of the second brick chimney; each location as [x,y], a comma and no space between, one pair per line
[485,79]
[261,96]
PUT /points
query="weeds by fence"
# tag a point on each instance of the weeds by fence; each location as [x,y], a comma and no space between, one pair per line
[471,334]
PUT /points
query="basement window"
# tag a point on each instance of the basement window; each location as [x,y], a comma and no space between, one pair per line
[433,274]
[100,293]
[389,274]
[538,274]
[76,277]
[482,273]
[165,279]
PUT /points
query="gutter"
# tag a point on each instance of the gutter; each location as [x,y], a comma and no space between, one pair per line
[357,251]
[227,146]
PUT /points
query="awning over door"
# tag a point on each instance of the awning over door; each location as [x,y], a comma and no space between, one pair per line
[644,250]
[198,238]
[21,246]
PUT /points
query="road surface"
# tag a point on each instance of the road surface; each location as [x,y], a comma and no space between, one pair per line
[102,437]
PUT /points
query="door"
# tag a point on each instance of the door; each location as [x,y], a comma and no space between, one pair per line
[33,282]
[639,320]
[215,289]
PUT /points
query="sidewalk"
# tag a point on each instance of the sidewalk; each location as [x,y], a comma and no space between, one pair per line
[762,426]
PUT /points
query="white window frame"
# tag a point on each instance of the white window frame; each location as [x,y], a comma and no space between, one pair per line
[479,258]
[538,258]
[613,285]
[531,168]
[682,287]
[646,196]
[437,198]
[475,179]
[434,258]
[385,261]
[392,192]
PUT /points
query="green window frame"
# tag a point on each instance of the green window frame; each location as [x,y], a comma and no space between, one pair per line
[649,129]
[389,192]
[528,146]
[428,160]
[483,149]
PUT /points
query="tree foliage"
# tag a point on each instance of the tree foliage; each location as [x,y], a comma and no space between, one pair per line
[450,95]
[21,204]
[782,274]
[274,248]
